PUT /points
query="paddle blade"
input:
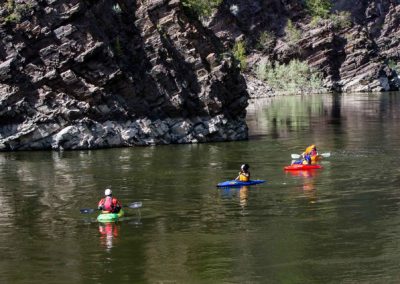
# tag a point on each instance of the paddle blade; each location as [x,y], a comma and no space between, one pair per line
[87,210]
[135,205]
[295,156]
[326,155]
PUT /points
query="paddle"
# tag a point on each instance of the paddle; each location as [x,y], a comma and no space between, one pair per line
[297,156]
[133,205]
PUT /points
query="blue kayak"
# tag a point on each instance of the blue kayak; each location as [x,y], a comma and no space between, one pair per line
[239,183]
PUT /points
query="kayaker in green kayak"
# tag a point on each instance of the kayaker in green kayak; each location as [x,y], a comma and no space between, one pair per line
[244,174]
[109,204]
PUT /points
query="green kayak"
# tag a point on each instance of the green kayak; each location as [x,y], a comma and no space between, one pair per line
[110,217]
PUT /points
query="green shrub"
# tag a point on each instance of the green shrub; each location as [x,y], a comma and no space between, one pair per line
[15,11]
[200,8]
[394,66]
[239,52]
[293,77]
[266,40]
[341,20]
[316,21]
[293,35]
[319,8]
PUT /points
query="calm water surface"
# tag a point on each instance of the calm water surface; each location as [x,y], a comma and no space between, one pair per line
[336,225]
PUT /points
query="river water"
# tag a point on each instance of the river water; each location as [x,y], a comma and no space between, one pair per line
[340,224]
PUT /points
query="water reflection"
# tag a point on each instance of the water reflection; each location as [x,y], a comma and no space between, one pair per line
[286,231]
[243,197]
[241,194]
[307,182]
[281,117]
[108,233]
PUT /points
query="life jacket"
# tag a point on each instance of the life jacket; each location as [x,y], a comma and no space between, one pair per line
[243,177]
[314,159]
[110,204]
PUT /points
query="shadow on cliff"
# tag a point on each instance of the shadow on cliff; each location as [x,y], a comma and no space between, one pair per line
[127,76]
[156,80]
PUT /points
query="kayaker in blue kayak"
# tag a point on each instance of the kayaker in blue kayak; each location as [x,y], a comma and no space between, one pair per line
[109,204]
[244,174]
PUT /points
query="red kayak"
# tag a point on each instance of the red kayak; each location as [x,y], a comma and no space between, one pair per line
[296,167]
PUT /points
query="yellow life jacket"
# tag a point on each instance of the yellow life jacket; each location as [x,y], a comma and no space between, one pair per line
[242,177]
[314,159]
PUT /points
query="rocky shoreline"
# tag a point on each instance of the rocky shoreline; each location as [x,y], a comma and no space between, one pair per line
[90,134]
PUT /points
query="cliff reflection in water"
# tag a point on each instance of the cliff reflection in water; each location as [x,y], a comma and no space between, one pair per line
[348,113]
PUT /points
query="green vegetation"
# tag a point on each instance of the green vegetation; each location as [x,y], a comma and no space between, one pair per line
[200,8]
[341,20]
[320,11]
[394,66]
[319,8]
[293,35]
[15,11]
[293,77]
[296,110]
[239,52]
[266,40]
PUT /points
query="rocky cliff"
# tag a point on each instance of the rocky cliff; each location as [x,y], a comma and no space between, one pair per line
[93,74]
[352,58]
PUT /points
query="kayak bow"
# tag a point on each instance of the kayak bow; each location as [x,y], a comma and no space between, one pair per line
[231,183]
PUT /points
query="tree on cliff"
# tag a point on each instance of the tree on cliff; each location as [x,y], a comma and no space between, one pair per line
[201,8]
[319,8]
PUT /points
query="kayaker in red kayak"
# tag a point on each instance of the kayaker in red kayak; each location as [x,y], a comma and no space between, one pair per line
[109,204]
[244,174]
[305,160]
[308,157]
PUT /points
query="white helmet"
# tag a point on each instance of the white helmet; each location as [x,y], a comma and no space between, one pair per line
[245,167]
[107,192]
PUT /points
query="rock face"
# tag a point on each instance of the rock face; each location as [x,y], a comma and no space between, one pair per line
[92,74]
[84,74]
[352,59]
